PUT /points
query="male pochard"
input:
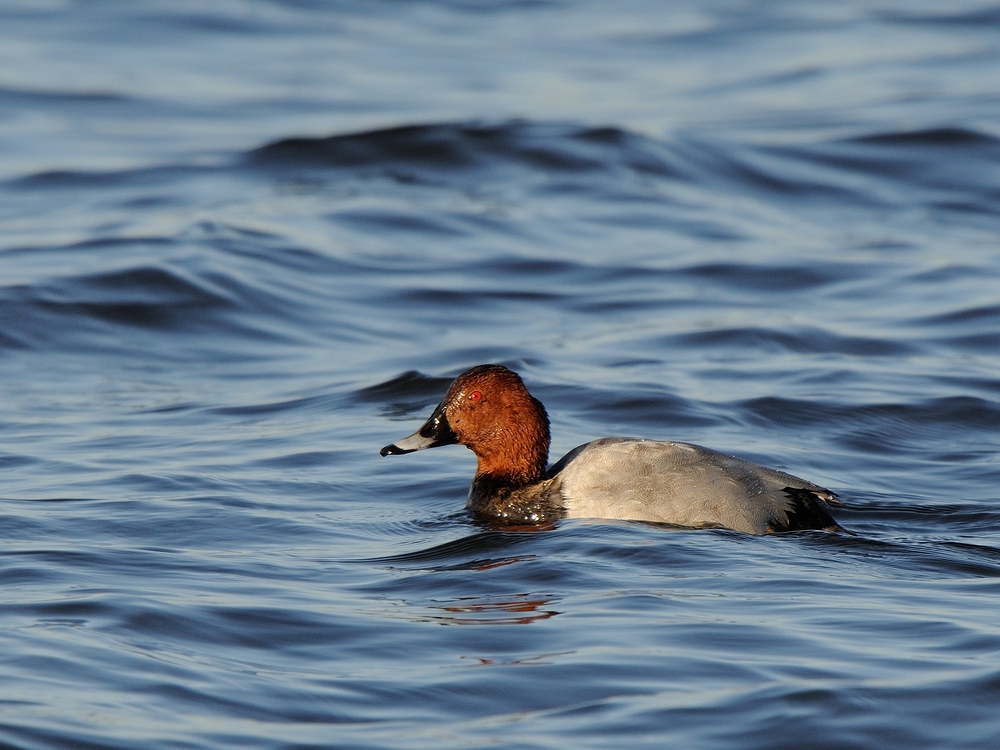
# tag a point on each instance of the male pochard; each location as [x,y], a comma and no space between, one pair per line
[489,410]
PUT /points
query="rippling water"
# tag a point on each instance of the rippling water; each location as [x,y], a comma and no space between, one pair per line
[244,245]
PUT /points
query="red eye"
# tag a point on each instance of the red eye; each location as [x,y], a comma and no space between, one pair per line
[475,396]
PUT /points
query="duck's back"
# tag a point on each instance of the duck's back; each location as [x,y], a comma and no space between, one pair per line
[686,485]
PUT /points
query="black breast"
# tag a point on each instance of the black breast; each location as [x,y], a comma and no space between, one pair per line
[499,502]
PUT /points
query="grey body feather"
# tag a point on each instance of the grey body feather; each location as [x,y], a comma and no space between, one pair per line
[683,484]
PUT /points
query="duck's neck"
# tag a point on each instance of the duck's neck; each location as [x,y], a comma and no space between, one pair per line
[502,472]
[510,487]
[518,452]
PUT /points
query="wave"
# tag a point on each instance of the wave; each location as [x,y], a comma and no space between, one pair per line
[612,165]
[950,137]
[826,171]
[490,254]
[450,146]
[110,310]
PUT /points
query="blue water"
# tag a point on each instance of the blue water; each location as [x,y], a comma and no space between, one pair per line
[244,245]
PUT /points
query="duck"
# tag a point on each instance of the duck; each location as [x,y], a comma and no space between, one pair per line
[489,410]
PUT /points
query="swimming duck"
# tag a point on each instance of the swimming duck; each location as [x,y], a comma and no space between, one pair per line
[489,410]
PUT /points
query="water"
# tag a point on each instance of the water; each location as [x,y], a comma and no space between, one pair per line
[244,245]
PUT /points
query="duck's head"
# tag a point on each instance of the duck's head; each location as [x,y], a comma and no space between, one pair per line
[489,410]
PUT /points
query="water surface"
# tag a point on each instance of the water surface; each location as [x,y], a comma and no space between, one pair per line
[244,246]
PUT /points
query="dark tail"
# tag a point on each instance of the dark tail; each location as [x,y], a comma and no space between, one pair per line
[808,511]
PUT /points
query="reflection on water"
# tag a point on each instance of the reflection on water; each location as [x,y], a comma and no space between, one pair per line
[519,609]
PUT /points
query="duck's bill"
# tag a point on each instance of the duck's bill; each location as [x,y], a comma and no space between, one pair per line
[434,432]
